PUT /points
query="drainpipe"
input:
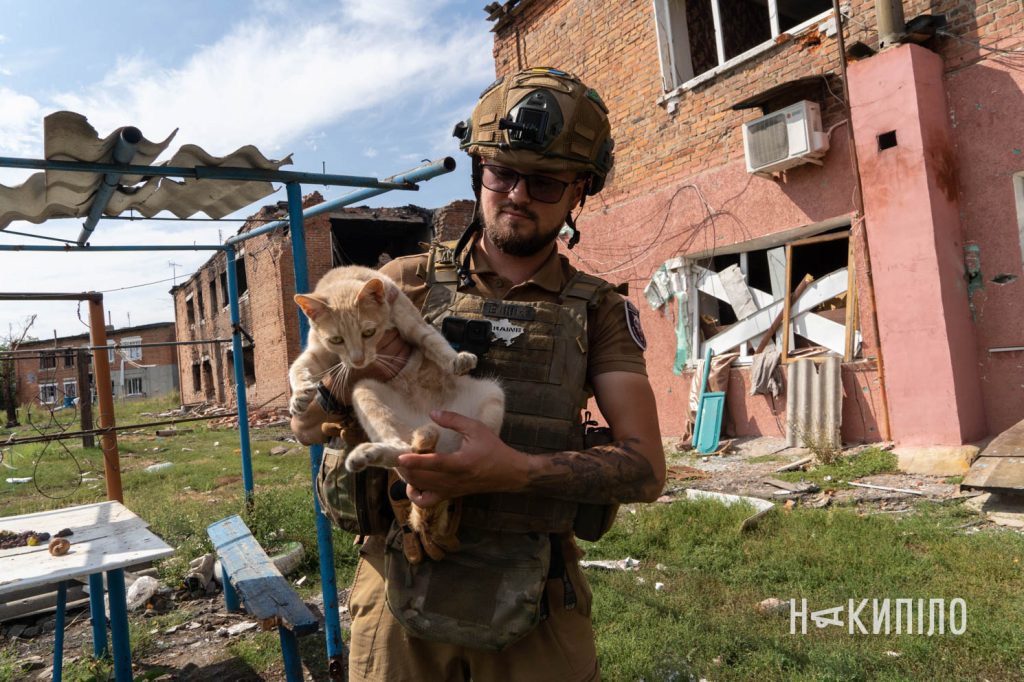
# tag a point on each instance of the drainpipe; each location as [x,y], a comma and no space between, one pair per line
[891,24]
[860,232]
[124,151]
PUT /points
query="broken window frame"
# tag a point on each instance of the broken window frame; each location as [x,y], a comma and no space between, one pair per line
[133,382]
[48,359]
[47,388]
[71,384]
[696,282]
[131,347]
[674,53]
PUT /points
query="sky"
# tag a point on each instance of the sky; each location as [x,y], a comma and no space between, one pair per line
[356,87]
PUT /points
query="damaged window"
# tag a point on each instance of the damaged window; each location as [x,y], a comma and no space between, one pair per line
[742,302]
[698,36]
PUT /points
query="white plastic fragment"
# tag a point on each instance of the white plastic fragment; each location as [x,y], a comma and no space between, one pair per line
[627,564]
[141,591]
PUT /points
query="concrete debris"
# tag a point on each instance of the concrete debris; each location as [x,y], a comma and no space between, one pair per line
[200,574]
[1003,509]
[627,564]
[280,450]
[240,628]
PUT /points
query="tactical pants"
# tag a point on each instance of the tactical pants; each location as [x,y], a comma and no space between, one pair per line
[560,649]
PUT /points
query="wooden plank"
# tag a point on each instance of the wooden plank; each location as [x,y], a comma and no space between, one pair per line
[41,603]
[71,517]
[80,534]
[757,324]
[777,322]
[996,474]
[1009,443]
[710,283]
[267,596]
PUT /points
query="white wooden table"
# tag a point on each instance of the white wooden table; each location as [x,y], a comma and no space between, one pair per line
[106,537]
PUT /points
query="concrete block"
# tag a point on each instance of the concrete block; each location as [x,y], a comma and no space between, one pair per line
[939,460]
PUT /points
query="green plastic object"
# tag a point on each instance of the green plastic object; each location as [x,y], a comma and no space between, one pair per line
[709,421]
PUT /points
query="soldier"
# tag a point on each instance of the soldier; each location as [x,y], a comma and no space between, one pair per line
[512,602]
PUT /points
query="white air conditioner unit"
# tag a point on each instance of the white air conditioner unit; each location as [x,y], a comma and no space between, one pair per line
[785,138]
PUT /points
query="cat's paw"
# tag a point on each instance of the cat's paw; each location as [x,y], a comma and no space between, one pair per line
[464,363]
[301,398]
[370,455]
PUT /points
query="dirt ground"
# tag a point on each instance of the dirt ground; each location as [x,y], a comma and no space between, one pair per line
[199,647]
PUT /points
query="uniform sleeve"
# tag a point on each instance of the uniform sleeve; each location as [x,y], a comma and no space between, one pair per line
[613,347]
[405,271]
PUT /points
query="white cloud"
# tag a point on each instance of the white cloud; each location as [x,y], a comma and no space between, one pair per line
[21,124]
[271,83]
[370,152]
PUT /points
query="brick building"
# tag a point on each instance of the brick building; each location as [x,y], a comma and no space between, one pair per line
[266,283]
[50,371]
[932,263]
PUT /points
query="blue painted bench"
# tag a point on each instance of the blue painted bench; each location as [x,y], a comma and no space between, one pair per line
[249,575]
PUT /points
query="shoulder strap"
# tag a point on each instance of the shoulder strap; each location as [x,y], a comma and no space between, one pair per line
[584,287]
[441,266]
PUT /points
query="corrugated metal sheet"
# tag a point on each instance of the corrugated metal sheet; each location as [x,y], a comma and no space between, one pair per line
[67,136]
[814,402]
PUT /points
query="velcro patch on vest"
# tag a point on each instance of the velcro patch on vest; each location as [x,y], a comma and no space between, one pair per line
[633,323]
[510,311]
[505,331]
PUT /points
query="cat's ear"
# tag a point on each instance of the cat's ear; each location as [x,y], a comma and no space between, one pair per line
[374,290]
[313,307]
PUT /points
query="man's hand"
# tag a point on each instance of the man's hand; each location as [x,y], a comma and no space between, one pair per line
[482,464]
[392,354]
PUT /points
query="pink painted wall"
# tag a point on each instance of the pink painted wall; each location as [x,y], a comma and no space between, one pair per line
[916,244]
[628,240]
[985,105]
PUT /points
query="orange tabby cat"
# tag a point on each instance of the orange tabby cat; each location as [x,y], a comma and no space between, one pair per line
[349,311]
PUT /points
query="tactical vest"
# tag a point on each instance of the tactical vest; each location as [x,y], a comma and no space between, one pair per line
[543,370]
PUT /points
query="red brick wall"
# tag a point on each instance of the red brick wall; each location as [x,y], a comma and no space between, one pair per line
[28,391]
[680,186]
[451,220]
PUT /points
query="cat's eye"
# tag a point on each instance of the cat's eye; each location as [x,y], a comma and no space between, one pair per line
[336,340]
[367,333]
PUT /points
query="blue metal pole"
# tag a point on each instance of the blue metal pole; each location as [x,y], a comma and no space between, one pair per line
[325,546]
[98,615]
[205,172]
[238,365]
[290,652]
[418,174]
[58,633]
[70,248]
[119,626]
[124,151]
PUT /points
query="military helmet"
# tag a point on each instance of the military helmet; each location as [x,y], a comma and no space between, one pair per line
[541,119]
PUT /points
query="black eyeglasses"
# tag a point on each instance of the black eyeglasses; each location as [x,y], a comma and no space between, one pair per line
[542,188]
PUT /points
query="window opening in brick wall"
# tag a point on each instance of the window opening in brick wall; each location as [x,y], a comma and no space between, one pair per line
[47,360]
[371,243]
[207,379]
[199,301]
[69,358]
[224,289]
[190,311]
[197,379]
[700,36]
[243,283]
[71,389]
[131,347]
[47,394]
[248,365]
[133,386]
[112,345]
[213,294]
[740,296]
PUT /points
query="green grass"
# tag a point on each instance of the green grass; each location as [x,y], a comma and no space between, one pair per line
[704,622]
[715,576]
[865,463]
[761,459]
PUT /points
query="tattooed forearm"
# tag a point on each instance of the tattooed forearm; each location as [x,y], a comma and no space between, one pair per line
[613,473]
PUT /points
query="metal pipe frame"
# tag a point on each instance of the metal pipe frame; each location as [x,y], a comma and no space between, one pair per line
[207,173]
[69,248]
[98,615]
[48,352]
[325,545]
[124,151]
[418,174]
[238,366]
[119,625]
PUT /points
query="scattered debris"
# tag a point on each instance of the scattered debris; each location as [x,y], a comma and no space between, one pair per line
[158,467]
[280,450]
[200,574]
[627,564]
[801,487]
[239,628]
[793,466]
[773,605]
[658,587]
[678,472]
[141,591]
[762,506]
[164,433]
[886,488]
[26,479]
[1003,509]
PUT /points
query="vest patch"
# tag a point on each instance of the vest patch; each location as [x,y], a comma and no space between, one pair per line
[505,331]
[633,322]
[509,310]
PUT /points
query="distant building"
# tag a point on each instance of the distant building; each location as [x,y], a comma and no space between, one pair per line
[136,371]
[266,287]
